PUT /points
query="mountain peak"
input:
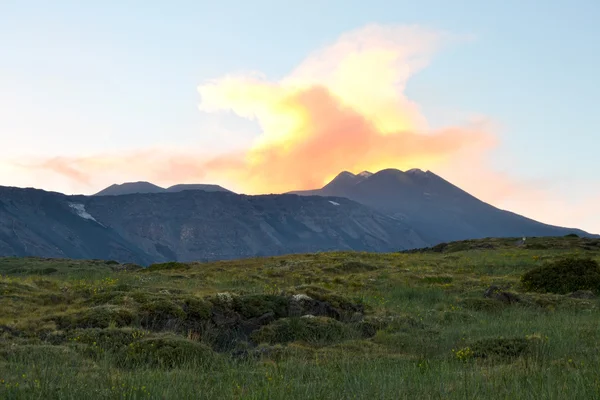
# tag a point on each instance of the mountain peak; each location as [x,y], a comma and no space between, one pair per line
[147,187]
[416,172]
[345,174]
[130,187]
[365,174]
[197,186]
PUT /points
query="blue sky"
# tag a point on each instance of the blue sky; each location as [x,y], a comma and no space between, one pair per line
[78,78]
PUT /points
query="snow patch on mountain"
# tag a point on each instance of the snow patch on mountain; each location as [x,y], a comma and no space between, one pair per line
[80,210]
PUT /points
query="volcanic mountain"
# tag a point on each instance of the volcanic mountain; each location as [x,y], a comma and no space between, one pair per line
[143,223]
[436,209]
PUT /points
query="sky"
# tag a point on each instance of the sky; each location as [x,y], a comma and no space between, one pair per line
[498,97]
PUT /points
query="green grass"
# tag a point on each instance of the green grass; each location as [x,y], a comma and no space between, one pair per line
[387,326]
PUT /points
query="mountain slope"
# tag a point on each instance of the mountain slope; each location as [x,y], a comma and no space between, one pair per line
[38,223]
[438,210]
[190,225]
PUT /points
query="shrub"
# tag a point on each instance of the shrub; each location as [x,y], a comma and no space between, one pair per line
[438,279]
[111,339]
[111,297]
[95,317]
[500,348]
[439,248]
[355,266]
[126,267]
[345,307]
[369,326]
[254,306]
[314,330]
[173,265]
[161,314]
[197,309]
[167,351]
[564,276]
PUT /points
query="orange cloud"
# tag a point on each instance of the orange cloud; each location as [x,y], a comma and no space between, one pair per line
[343,108]
[325,137]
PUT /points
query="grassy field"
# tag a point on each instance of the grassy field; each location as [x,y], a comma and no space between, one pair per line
[317,326]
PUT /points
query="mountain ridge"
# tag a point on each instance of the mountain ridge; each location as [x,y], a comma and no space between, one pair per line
[148,187]
[190,226]
[386,211]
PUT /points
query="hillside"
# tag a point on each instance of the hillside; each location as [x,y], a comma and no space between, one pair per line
[436,209]
[189,226]
[456,323]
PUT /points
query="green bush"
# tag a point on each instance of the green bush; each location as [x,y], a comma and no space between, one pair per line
[111,339]
[161,314]
[369,326]
[355,266]
[109,297]
[501,348]
[314,330]
[438,279]
[564,276]
[253,306]
[344,306]
[95,317]
[173,265]
[167,351]
[197,309]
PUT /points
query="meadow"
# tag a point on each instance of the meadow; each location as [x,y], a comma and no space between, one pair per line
[453,322]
